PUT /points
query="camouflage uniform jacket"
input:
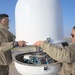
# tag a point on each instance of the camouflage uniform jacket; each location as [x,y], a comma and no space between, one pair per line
[65,55]
[6,44]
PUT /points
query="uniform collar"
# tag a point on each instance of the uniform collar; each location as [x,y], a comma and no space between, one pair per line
[4,27]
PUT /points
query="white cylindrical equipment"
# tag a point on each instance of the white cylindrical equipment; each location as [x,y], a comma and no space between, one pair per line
[39,19]
[37,70]
[36,63]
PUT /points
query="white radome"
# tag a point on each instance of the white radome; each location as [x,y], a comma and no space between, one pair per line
[37,20]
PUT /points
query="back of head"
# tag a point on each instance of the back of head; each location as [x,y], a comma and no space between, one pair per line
[73,27]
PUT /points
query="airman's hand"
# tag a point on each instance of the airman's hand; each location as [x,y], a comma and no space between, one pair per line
[21,43]
[38,43]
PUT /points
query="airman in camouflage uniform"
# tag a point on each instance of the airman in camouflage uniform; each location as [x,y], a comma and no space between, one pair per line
[7,42]
[65,55]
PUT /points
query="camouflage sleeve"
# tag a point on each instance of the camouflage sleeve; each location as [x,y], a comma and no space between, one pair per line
[12,36]
[6,46]
[72,49]
[1,38]
[58,54]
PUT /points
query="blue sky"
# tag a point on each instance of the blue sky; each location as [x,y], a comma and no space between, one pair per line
[68,12]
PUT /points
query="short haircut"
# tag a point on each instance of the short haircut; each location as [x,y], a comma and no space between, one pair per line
[3,15]
[73,27]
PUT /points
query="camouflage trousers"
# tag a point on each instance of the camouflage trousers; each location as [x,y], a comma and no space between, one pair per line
[4,70]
